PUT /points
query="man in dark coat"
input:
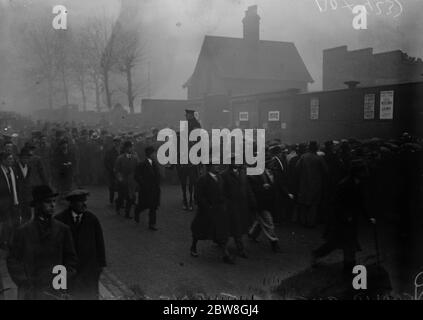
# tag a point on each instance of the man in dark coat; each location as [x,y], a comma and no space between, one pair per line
[240,201]
[279,168]
[109,163]
[37,247]
[211,221]
[312,175]
[147,176]
[342,228]
[88,240]
[23,173]
[64,167]
[9,202]
[124,171]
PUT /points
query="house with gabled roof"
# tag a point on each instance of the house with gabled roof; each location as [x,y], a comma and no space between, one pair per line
[248,65]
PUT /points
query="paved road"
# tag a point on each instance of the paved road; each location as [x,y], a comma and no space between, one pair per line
[159,263]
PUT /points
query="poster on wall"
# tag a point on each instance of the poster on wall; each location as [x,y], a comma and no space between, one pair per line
[369,106]
[314,109]
[273,116]
[387,105]
[243,116]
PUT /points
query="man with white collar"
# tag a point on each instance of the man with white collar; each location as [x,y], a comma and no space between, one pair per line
[88,240]
[38,247]
[8,197]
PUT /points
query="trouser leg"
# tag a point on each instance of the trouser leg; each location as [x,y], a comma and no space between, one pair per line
[349,259]
[152,216]
[255,230]
[267,226]
[129,203]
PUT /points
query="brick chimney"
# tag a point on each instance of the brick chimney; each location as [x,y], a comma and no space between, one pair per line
[251,24]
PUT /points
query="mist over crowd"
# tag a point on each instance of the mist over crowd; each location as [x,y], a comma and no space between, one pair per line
[168,35]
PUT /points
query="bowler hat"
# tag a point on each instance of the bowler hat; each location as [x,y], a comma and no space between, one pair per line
[41,193]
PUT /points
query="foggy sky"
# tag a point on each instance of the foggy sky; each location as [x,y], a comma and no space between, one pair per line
[173,32]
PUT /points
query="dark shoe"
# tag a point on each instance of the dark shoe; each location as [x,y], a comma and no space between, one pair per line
[185,208]
[242,254]
[194,253]
[228,260]
[275,247]
[153,228]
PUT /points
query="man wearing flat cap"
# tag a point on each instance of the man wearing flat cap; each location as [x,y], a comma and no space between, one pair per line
[37,247]
[88,240]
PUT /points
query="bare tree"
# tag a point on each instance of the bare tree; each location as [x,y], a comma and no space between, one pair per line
[80,64]
[130,55]
[100,50]
[42,46]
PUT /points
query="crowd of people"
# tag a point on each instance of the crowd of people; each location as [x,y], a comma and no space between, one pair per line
[304,183]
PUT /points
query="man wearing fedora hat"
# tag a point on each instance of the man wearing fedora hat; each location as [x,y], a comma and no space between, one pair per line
[37,247]
[88,240]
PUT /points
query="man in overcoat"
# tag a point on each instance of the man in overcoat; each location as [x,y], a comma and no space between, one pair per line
[240,201]
[312,175]
[88,240]
[147,176]
[38,247]
[342,228]
[109,164]
[211,221]
[124,171]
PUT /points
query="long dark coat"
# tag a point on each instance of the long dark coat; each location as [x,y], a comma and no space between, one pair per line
[36,248]
[211,221]
[6,209]
[124,171]
[110,158]
[148,178]
[312,174]
[89,245]
[348,204]
[241,204]
[63,175]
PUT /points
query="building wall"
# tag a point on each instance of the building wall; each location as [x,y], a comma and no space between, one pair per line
[341,113]
[340,65]
[167,113]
